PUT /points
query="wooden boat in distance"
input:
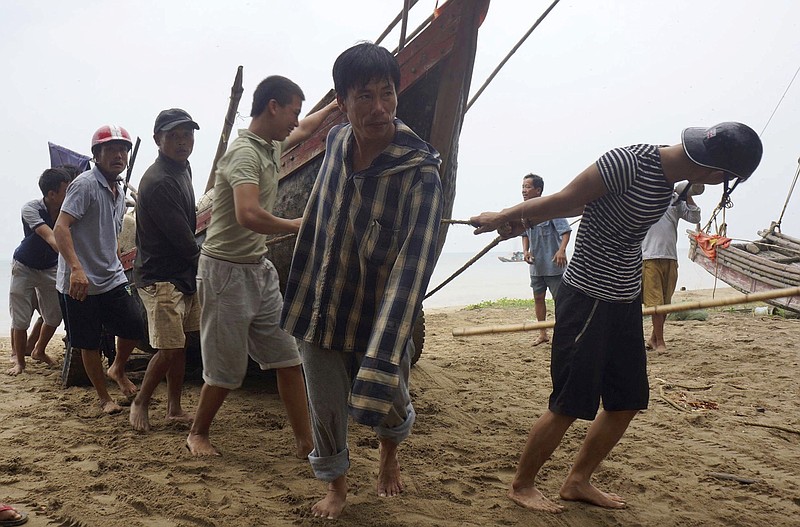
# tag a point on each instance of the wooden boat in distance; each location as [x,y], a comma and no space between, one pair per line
[435,76]
[773,262]
[516,256]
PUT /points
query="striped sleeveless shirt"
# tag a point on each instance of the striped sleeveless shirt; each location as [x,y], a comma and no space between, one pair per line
[607,261]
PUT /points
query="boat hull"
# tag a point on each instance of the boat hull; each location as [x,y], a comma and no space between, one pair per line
[753,268]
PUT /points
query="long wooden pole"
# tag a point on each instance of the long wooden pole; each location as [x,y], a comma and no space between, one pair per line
[663,309]
[464,267]
[230,116]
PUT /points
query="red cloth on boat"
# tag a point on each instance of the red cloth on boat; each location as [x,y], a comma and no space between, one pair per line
[710,243]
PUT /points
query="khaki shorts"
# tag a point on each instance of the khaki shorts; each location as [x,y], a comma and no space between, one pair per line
[170,315]
[659,278]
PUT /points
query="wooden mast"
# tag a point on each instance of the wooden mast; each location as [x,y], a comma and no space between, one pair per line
[230,116]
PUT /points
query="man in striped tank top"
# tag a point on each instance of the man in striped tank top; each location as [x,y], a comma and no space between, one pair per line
[598,341]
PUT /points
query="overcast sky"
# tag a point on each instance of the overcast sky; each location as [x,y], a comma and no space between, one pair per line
[595,75]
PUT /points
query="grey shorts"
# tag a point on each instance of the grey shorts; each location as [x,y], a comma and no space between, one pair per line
[540,284]
[30,286]
[239,316]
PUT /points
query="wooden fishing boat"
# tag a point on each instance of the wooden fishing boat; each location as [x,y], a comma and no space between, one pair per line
[436,63]
[772,262]
[436,72]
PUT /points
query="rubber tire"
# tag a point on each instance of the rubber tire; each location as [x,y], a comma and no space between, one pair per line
[418,336]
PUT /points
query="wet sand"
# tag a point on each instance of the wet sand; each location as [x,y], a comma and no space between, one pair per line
[724,401]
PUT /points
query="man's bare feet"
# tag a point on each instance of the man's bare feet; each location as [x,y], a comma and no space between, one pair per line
[139,417]
[588,493]
[304,448]
[389,483]
[180,417]
[15,370]
[200,445]
[11,516]
[110,407]
[331,506]
[532,498]
[541,339]
[43,357]
[125,385]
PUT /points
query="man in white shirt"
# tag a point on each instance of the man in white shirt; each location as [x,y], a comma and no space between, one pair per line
[660,258]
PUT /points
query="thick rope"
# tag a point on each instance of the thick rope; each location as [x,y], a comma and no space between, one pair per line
[466,265]
[510,53]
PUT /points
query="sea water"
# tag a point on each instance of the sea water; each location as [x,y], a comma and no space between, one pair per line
[486,279]
[491,279]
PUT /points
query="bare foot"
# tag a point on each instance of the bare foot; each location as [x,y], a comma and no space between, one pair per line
[590,494]
[139,417]
[541,339]
[200,445]
[532,498]
[125,385]
[331,506]
[15,370]
[304,448]
[11,516]
[110,407]
[389,483]
[43,357]
[180,417]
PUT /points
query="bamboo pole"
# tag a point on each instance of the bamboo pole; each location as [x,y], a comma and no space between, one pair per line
[233,107]
[663,309]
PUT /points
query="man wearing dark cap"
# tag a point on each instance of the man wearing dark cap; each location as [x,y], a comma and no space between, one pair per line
[166,262]
[598,341]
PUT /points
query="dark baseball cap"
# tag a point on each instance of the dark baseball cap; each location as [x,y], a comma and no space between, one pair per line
[734,148]
[169,119]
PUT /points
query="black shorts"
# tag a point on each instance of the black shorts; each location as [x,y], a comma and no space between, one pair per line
[598,353]
[118,311]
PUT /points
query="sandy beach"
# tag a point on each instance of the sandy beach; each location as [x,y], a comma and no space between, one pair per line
[719,445]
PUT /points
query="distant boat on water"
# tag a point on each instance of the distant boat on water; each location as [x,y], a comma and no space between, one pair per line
[516,256]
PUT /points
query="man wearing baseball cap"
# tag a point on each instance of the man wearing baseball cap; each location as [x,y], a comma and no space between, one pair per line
[94,292]
[598,341]
[165,268]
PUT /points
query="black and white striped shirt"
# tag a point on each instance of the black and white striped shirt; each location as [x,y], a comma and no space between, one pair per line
[607,262]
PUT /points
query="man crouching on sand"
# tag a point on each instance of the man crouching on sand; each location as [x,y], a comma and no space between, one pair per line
[598,341]
[364,255]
